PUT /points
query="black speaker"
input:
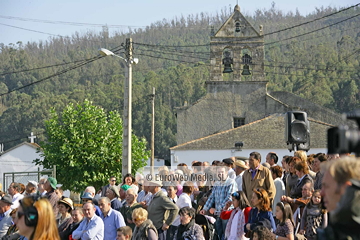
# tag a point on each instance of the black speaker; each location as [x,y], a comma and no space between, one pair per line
[297,130]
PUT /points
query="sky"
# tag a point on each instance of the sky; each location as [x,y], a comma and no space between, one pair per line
[33,14]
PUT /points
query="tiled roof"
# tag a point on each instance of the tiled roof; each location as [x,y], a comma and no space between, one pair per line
[265,133]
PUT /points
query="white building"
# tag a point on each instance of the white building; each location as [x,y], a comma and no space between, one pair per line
[19,159]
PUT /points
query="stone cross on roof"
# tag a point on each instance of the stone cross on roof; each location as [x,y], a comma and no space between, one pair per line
[32,137]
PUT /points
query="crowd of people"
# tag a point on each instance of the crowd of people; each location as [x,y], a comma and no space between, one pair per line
[302,196]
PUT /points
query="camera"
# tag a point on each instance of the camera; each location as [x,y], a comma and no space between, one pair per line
[342,139]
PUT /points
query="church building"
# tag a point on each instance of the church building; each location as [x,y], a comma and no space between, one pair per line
[238,107]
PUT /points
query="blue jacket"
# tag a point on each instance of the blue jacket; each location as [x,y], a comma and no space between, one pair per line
[264,218]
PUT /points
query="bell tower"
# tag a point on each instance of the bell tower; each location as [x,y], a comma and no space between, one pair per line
[237,51]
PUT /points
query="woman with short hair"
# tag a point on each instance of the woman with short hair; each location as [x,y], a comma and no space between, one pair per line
[188,229]
[144,228]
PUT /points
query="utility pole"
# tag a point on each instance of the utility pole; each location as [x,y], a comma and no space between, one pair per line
[127,121]
[152,96]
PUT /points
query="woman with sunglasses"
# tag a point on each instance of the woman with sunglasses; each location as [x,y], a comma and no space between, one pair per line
[238,216]
[35,219]
[261,213]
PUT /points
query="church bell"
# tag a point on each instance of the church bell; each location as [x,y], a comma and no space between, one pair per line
[237,27]
[246,70]
[227,68]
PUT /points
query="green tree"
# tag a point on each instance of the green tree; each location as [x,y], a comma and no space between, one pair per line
[85,143]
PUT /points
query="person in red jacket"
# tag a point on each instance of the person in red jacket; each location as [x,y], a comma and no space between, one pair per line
[238,216]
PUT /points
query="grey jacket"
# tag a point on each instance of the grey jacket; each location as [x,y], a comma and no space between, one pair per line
[162,210]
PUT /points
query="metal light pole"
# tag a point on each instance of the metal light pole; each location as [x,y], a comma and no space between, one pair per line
[127,118]
[152,132]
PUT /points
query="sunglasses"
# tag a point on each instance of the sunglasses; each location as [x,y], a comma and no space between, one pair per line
[236,195]
[113,180]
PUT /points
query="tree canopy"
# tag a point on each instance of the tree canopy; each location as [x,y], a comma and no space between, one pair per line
[85,143]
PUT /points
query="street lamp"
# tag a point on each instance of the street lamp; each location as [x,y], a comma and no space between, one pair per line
[127,118]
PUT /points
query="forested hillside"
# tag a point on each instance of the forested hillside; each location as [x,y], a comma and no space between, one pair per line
[319,61]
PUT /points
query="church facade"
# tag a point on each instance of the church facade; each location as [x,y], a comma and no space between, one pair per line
[237,96]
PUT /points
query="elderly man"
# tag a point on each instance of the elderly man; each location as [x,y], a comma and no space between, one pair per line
[240,168]
[144,196]
[258,176]
[50,186]
[14,190]
[112,219]
[158,207]
[92,227]
[5,210]
[113,194]
[131,204]
[306,193]
[31,188]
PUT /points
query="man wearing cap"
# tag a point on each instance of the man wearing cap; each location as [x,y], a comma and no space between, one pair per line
[5,218]
[122,193]
[113,194]
[145,195]
[258,176]
[112,219]
[50,186]
[240,167]
[14,190]
[31,188]
[159,205]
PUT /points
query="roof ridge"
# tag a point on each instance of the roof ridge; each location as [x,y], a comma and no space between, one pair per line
[231,129]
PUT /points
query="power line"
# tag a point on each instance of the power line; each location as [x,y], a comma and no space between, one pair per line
[48,66]
[56,35]
[206,59]
[70,23]
[285,74]
[54,75]
[314,30]
[316,19]
[267,34]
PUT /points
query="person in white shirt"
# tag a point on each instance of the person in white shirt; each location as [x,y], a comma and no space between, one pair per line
[14,190]
[229,162]
[279,185]
[240,168]
[272,159]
